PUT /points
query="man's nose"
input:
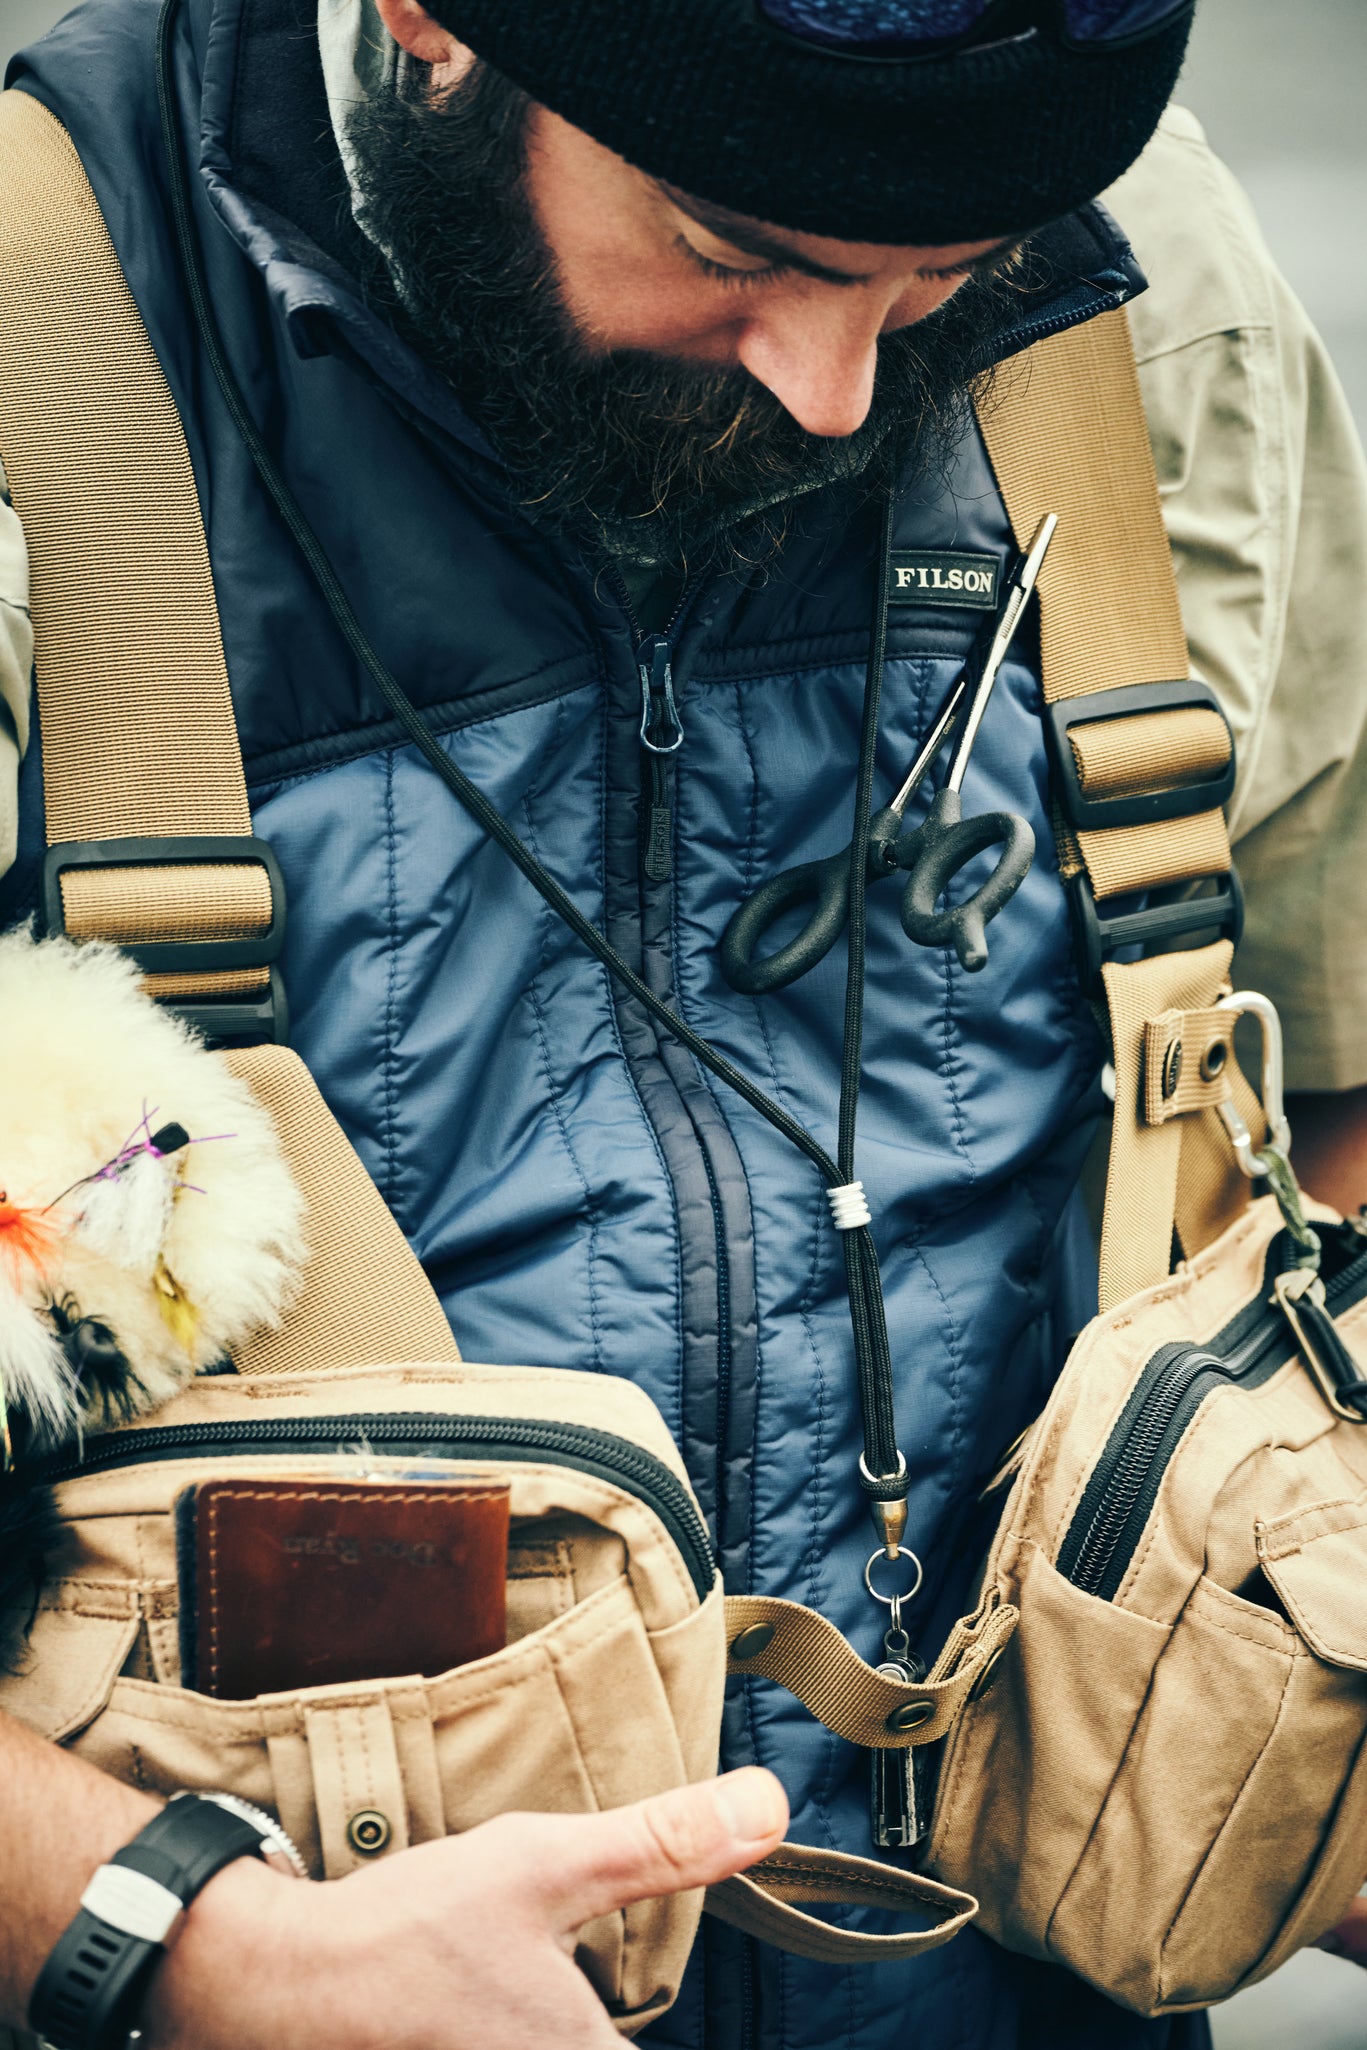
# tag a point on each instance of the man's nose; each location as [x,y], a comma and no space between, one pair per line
[818,352]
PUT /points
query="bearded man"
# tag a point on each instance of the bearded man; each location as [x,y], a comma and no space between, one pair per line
[600,343]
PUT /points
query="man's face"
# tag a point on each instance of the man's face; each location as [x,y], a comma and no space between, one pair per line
[641,266]
[662,380]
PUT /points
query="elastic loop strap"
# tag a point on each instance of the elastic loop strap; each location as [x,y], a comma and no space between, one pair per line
[764,1903]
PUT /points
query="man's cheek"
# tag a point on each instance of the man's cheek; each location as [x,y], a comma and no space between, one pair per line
[659,317]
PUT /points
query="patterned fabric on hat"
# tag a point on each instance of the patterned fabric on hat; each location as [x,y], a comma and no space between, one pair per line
[874,21]
[869,23]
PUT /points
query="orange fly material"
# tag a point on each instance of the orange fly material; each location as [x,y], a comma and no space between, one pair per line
[28,1240]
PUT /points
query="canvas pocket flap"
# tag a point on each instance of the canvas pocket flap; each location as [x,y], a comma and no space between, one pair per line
[80,1638]
[1317,1561]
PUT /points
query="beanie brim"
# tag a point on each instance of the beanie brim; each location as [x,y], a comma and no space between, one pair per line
[961,147]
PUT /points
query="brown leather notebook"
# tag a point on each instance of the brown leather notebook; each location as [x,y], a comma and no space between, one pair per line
[288,1584]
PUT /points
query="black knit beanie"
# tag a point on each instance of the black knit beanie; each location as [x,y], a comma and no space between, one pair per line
[714,97]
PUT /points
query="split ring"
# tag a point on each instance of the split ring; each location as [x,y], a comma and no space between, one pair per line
[890,1600]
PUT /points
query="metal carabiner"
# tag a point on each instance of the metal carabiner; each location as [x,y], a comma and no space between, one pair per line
[1251,1003]
[1271,1162]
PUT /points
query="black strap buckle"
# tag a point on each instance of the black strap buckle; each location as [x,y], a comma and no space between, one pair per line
[1092,814]
[1099,938]
[232,1020]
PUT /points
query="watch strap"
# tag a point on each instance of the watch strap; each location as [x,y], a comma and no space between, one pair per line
[89,1991]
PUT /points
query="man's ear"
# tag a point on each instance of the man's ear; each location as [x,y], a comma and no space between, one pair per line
[413,28]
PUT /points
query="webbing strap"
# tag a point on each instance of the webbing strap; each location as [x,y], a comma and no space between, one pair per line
[139,738]
[365,1296]
[137,718]
[809,1656]
[1066,433]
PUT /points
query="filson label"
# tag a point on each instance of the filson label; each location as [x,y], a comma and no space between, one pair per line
[922,576]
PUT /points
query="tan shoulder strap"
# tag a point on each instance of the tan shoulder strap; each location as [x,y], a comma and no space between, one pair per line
[137,718]
[139,740]
[1065,429]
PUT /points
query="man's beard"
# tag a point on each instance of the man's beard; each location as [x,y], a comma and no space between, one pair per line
[658,463]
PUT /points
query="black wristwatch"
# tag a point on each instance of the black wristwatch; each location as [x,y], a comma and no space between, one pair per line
[90,1990]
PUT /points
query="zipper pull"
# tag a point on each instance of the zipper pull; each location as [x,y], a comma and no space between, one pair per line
[1300,1295]
[661,729]
[661,736]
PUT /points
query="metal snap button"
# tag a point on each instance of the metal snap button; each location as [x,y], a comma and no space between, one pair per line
[1172,1068]
[368,1831]
[909,1716]
[987,1677]
[753,1641]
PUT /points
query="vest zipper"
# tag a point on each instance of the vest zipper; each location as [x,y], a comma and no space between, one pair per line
[418,1435]
[661,736]
[1116,1505]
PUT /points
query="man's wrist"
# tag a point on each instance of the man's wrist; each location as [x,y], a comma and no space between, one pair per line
[236,1941]
[91,1992]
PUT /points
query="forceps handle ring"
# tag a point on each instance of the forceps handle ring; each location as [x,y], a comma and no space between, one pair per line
[936,851]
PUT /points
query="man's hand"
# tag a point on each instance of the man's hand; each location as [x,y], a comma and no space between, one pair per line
[454,1944]
[1350,1938]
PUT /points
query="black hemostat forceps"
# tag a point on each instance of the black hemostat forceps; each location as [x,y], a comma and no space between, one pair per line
[933,852]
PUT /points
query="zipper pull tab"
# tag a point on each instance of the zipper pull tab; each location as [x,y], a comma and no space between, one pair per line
[661,728]
[1300,1295]
[661,736]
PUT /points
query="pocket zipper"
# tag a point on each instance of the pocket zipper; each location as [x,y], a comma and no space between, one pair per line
[419,1435]
[1109,1521]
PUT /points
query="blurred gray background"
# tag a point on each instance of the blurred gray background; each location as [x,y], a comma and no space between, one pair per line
[1282,89]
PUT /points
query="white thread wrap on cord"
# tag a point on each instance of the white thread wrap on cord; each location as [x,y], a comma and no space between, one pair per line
[849,1208]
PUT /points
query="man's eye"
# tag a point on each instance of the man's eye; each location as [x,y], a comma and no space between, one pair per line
[730,274]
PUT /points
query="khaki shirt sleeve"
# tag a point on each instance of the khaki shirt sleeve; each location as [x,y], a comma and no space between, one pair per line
[1264,491]
[16,669]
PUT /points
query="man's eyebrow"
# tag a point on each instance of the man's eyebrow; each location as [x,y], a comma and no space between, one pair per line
[976,266]
[752,238]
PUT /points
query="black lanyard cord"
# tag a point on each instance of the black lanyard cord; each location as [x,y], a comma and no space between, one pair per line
[881,1457]
[883,1473]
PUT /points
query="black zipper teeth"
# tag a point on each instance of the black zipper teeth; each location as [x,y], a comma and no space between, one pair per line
[661,773]
[1124,1484]
[600,1453]
[723,1348]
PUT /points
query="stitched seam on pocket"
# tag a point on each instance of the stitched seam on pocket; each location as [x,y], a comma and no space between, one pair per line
[1223,1830]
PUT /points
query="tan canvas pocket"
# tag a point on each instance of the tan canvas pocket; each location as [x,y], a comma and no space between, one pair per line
[571,1718]
[1216,1826]
[1287,1832]
[1029,1769]
[79,1640]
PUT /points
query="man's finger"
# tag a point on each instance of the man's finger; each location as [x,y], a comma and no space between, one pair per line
[693,1836]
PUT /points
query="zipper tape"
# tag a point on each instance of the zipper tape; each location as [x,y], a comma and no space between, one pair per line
[419,1435]
[1119,1497]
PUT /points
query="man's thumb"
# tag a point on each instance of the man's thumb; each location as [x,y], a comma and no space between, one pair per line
[693,1836]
